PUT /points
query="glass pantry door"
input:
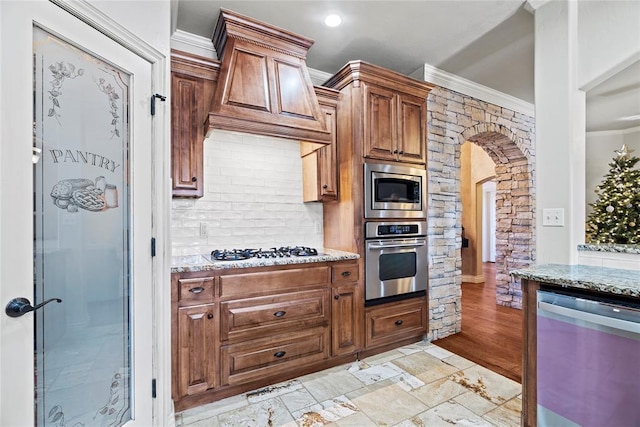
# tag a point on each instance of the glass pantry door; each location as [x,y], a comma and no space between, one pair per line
[89,196]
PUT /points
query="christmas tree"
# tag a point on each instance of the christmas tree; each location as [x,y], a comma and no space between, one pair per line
[616,214]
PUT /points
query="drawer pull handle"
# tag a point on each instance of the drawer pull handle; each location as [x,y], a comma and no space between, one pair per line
[209,316]
[279,313]
[336,297]
[399,322]
[197,290]
[346,273]
[279,354]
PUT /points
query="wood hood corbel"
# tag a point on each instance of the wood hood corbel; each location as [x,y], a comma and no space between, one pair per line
[264,86]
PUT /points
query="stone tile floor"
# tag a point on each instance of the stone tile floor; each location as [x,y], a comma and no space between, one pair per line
[419,385]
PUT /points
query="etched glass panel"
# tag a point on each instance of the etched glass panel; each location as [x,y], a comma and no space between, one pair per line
[81,236]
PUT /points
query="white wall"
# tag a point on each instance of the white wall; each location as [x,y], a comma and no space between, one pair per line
[577,45]
[609,38]
[600,152]
[252,199]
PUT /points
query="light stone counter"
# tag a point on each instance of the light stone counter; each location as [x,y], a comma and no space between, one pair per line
[181,264]
[605,247]
[600,279]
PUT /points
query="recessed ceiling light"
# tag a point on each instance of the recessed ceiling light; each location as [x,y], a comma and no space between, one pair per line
[332,20]
[634,117]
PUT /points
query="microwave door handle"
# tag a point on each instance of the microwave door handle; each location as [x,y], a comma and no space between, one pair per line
[400,245]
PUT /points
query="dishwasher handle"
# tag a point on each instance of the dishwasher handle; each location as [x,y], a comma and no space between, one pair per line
[611,322]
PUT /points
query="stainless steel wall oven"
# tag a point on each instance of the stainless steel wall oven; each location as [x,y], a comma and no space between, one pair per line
[396,260]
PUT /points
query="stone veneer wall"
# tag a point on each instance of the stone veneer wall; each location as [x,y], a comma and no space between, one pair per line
[508,137]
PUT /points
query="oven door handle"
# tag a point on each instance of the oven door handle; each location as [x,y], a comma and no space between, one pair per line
[399,245]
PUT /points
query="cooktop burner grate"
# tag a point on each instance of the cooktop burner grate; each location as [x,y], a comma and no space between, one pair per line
[281,252]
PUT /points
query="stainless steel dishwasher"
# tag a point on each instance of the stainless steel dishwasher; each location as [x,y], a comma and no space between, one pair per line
[588,361]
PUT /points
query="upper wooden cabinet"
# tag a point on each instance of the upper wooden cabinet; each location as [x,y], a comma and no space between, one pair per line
[393,108]
[193,80]
[264,84]
[319,165]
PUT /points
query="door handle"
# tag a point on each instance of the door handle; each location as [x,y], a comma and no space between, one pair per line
[19,306]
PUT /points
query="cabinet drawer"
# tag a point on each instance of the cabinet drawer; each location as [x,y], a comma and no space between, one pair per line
[195,291]
[261,316]
[344,273]
[272,281]
[395,321]
[254,360]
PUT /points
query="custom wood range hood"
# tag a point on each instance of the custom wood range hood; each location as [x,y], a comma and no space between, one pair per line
[264,85]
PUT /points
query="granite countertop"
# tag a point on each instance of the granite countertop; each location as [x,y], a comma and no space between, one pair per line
[609,247]
[601,279]
[181,264]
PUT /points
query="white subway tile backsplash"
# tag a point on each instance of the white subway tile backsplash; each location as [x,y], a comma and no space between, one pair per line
[252,198]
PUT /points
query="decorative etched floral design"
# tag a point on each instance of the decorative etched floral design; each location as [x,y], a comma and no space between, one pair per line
[112,413]
[60,72]
[113,96]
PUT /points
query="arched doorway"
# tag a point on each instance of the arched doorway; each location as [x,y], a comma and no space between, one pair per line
[514,206]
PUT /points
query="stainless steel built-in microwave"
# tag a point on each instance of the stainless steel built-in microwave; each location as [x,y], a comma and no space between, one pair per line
[394,191]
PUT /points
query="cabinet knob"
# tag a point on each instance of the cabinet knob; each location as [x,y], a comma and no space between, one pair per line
[194,179]
[399,322]
[346,273]
[279,313]
[395,151]
[325,186]
[400,152]
[209,316]
[279,353]
[336,297]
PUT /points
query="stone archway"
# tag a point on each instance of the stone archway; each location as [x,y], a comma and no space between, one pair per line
[508,138]
[514,206]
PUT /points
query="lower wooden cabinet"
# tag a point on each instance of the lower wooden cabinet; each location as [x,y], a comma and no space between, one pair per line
[395,322]
[235,330]
[196,355]
[239,329]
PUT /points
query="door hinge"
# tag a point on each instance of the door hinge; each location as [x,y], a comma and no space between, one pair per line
[153,102]
[153,388]
[153,246]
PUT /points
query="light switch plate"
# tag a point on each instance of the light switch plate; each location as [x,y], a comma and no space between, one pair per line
[553,217]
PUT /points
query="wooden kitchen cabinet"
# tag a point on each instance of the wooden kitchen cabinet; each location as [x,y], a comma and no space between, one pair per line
[193,80]
[238,329]
[196,356]
[394,125]
[194,334]
[388,112]
[319,165]
[398,322]
[346,309]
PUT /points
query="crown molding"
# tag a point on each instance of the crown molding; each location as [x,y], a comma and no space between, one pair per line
[455,83]
[188,42]
[614,132]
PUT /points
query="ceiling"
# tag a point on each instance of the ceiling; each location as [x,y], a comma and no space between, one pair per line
[490,42]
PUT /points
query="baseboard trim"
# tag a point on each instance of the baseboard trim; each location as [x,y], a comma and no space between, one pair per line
[472,279]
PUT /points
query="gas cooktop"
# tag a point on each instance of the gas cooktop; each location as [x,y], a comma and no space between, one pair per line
[282,252]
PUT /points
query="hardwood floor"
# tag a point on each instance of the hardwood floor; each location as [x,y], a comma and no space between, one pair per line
[491,334]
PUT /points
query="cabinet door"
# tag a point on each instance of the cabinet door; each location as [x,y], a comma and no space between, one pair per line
[412,129]
[187,135]
[196,350]
[344,322]
[380,123]
[328,167]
